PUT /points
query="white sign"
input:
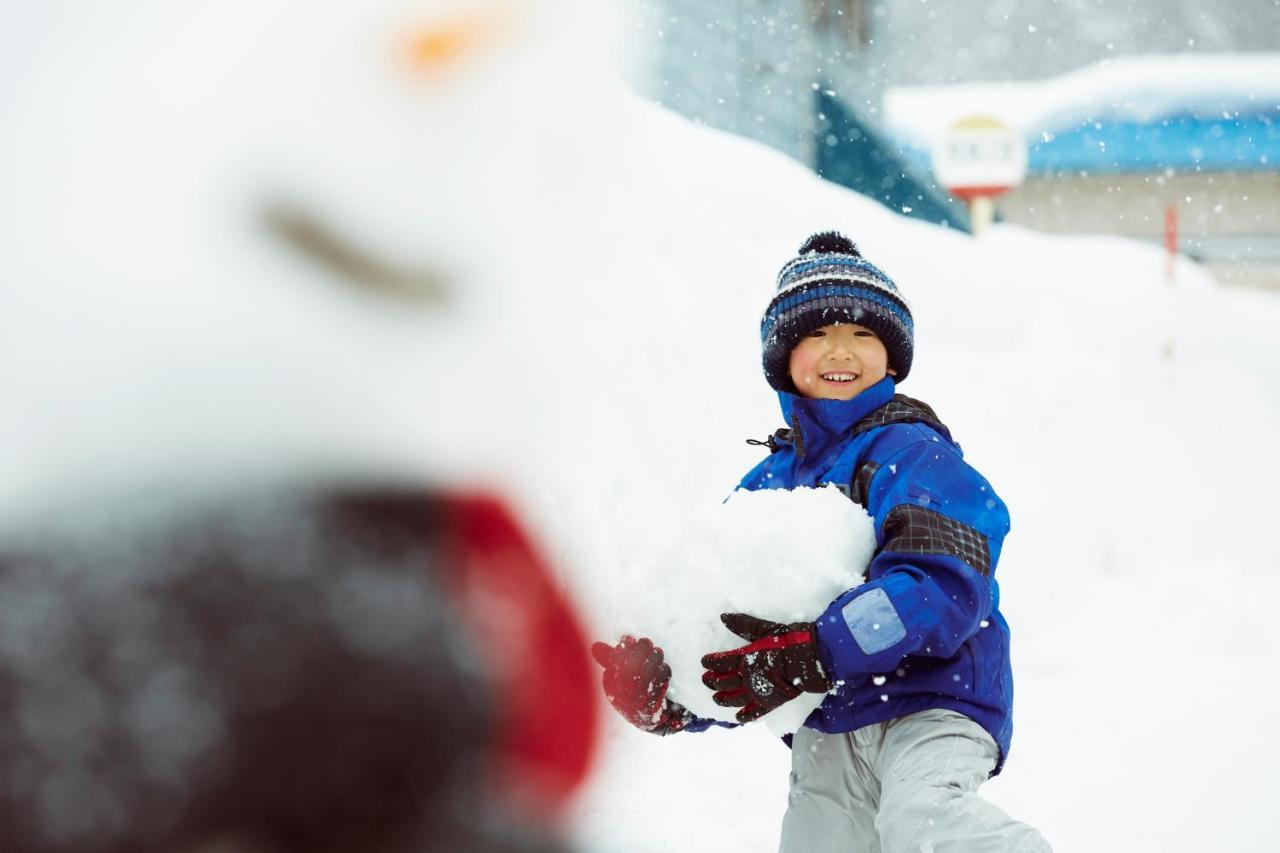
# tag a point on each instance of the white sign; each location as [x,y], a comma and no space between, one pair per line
[980,155]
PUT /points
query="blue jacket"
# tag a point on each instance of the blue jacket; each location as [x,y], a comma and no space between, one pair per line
[924,630]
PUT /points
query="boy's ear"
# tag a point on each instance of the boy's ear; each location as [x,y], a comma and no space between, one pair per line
[891,371]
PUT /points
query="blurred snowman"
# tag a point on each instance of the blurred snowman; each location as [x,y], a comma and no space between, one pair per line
[268,271]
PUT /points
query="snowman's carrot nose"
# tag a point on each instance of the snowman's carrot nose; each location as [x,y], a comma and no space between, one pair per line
[443,45]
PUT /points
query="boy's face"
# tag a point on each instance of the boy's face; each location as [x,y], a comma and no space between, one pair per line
[838,362]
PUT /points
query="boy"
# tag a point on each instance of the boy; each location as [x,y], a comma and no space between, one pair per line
[914,662]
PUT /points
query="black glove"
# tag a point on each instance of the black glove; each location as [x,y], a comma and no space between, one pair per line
[635,682]
[780,663]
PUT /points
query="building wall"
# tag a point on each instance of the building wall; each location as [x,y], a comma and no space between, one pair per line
[753,67]
[746,67]
[930,42]
[1230,221]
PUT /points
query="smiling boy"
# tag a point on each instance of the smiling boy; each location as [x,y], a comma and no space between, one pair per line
[914,662]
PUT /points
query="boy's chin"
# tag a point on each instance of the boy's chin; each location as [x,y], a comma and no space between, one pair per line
[827,393]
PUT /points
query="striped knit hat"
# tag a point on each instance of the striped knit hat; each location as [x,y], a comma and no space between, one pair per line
[830,282]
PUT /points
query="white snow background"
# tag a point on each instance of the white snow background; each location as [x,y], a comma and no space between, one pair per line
[598,362]
[737,557]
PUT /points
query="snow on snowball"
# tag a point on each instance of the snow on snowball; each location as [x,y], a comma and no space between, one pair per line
[777,554]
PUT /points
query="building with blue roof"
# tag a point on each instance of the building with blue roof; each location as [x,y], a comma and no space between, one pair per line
[1128,146]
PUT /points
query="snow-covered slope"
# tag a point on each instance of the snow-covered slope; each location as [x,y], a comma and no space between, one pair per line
[1125,420]
[596,355]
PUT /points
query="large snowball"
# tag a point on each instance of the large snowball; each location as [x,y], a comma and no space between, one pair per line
[780,555]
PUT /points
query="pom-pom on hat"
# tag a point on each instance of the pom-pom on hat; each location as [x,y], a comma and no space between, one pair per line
[830,282]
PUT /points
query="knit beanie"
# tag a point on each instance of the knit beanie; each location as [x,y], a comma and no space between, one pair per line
[830,282]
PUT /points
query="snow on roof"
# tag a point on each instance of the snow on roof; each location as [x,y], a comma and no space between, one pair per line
[1140,89]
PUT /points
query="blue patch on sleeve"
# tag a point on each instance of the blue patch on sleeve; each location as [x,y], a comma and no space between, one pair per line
[873,621]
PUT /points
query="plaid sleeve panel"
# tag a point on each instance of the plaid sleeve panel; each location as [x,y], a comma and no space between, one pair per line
[862,482]
[910,529]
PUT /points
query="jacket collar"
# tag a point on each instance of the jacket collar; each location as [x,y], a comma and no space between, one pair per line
[816,423]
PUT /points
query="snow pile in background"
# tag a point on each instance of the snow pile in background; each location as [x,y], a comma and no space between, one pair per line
[1132,88]
[776,554]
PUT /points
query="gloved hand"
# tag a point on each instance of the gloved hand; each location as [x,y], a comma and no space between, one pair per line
[779,663]
[635,682]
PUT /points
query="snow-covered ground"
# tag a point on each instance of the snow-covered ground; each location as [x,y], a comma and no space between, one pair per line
[1126,421]
[597,359]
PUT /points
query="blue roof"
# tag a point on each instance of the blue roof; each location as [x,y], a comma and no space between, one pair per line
[853,153]
[1182,142]
[1186,141]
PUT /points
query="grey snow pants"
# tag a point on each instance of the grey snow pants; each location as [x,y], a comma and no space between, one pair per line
[906,785]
